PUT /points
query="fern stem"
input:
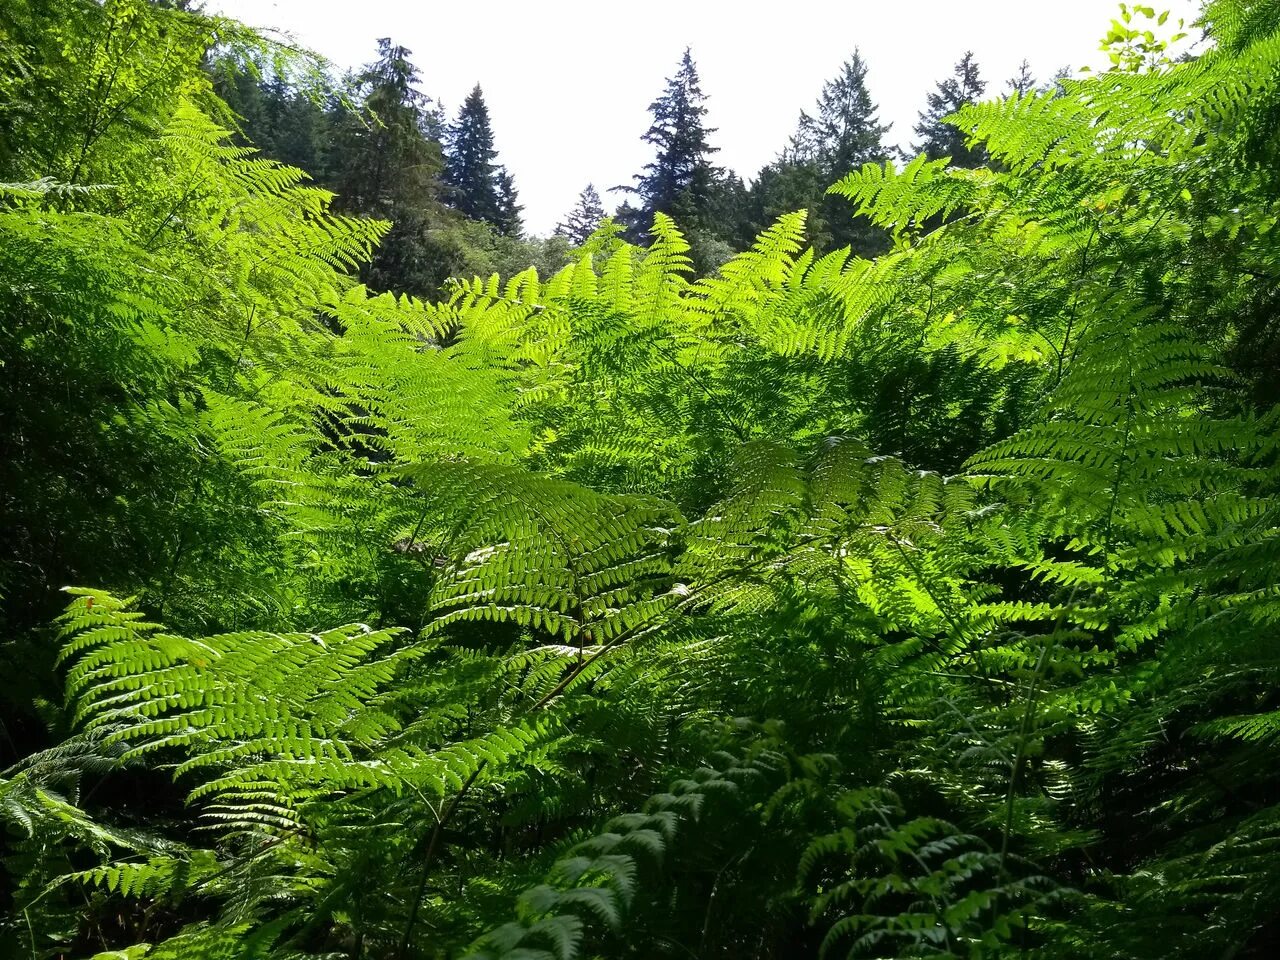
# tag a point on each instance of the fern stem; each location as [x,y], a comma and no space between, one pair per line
[429,858]
[1075,302]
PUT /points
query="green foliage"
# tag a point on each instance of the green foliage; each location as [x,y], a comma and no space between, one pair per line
[378,142]
[817,606]
[480,189]
[843,134]
[680,182]
[918,887]
[584,219]
[939,138]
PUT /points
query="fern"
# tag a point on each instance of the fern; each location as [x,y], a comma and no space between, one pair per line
[907,607]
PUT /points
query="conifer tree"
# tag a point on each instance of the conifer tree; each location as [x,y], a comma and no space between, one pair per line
[940,139]
[379,148]
[386,164]
[508,220]
[841,135]
[435,122]
[680,180]
[385,160]
[300,139]
[844,132]
[472,173]
[1055,84]
[1022,82]
[819,608]
[584,218]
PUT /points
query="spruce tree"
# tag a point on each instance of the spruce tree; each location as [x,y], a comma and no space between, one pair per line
[844,133]
[384,160]
[388,164]
[940,139]
[471,172]
[841,135]
[302,133]
[680,180]
[283,123]
[1057,81]
[508,219]
[584,218]
[435,123]
[1021,83]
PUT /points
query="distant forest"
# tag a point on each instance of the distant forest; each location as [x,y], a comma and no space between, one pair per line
[388,150]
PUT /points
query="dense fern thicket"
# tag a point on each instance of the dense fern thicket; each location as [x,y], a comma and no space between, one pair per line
[921,606]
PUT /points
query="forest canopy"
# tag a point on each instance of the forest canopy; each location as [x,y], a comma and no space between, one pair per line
[879,559]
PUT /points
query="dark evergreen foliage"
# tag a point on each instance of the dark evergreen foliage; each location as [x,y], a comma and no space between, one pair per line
[473,176]
[680,180]
[841,135]
[1022,82]
[508,219]
[383,164]
[383,159]
[584,219]
[378,145]
[941,139]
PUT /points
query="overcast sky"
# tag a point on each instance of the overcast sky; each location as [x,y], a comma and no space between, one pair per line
[568,82]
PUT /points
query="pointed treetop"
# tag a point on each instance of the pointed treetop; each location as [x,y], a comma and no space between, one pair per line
[584,218]
[680,179]
[470,170]
[508,222]
[388,157]
[941,139]
[844,131]
[1023,82]
[393,78]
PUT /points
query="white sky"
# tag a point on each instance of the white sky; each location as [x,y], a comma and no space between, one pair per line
[568,82]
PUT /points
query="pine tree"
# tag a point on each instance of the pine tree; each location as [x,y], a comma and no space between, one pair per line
[584,218]
[1055,84]
[301,138]
[277,119]
[472,174]
[845,132]
[385,160]
[940,139]
[508,219]
[1003,503]
[386,164]
[841,135]
[680,179]
[435,122]
[1021,83]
